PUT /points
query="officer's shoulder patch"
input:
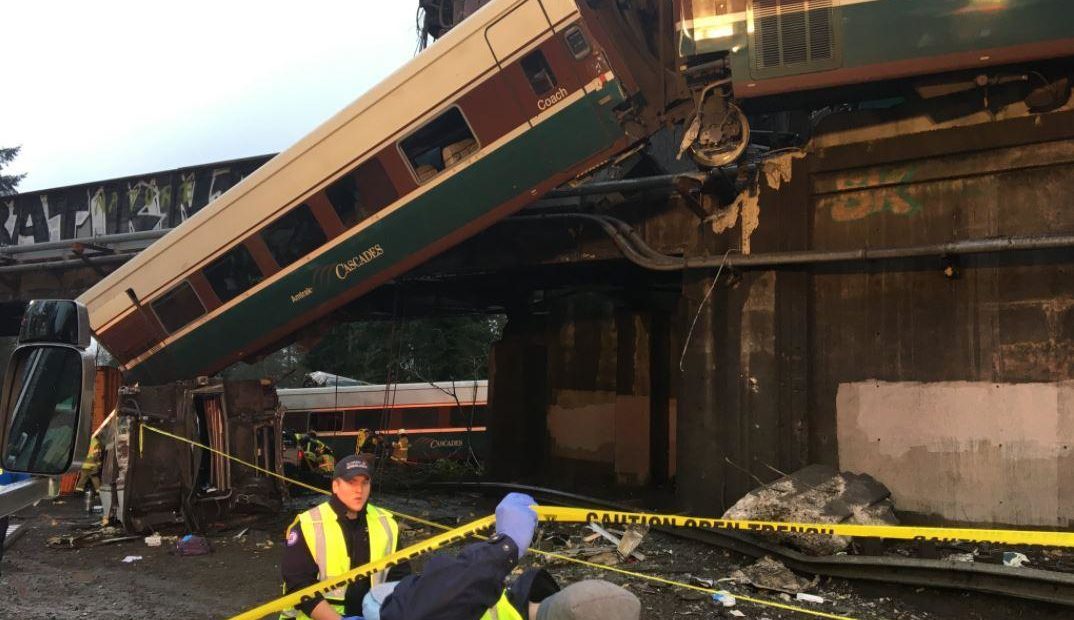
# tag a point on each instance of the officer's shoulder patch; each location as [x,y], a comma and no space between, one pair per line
[292,537]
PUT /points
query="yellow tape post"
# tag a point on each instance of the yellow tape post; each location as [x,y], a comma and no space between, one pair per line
[900,532]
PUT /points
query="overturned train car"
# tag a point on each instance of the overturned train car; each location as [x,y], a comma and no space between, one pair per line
[157,482]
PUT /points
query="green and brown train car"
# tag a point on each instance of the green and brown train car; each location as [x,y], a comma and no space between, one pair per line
[517,99]
[521,97]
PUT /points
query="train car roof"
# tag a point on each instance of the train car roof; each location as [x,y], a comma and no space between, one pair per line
[396,395]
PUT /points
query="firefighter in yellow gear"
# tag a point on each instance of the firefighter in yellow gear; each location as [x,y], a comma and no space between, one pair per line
[336,536]
[90,476]
[359,441]
[327,462]
[402,447]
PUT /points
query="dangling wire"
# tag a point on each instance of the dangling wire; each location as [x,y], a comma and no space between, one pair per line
[700,307]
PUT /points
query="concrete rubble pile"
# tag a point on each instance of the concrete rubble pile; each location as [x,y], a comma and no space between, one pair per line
[818,494]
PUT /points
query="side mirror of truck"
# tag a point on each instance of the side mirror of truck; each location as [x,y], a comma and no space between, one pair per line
[46,408]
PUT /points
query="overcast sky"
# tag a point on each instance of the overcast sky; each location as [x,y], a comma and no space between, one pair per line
[97,90]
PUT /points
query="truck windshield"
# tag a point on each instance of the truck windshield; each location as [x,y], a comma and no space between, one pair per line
[45,394]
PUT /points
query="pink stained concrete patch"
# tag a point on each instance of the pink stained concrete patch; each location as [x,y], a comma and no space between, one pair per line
[966,451]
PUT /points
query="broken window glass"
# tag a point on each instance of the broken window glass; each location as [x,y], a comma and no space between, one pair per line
[440,144]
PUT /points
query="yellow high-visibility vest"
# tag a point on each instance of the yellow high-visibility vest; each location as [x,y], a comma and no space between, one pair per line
[324,537]
[93,457]
[502,610]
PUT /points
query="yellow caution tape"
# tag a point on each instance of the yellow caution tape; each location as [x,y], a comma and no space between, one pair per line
[432,544]
[552,514]
[901,532]
[450,536]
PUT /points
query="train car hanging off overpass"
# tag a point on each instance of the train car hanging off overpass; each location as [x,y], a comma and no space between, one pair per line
[520,98]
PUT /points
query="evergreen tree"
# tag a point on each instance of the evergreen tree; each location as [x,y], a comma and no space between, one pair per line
[8,182]
[430,349]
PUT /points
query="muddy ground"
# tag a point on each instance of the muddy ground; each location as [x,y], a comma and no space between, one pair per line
[38,581]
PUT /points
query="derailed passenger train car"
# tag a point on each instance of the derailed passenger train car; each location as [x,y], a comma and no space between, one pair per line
[167,481]
[521,97]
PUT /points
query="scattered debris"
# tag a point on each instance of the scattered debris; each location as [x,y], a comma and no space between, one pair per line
[192,545]
[818,494]
[770,574]
[607,558]
[808,598]
[246,529]
[635,541]
[91,538]
[707,583]
[630,541]
[960,557]
[153,541]
[736,613]
[131,558]
[1015,559]
[725,599]
[14,532]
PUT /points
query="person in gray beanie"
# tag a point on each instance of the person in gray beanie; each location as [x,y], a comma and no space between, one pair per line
[592,599]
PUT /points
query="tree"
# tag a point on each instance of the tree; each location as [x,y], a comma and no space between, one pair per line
[429,349]
[8,182]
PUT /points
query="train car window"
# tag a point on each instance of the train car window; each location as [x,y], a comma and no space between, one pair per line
[178,307]
[539,73]
[576,42]
[293,236]
[362,193]
[440,144]
[233,273]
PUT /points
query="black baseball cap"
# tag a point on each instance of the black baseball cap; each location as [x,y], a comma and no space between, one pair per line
[354,465]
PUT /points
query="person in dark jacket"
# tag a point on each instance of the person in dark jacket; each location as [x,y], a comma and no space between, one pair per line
[470,586]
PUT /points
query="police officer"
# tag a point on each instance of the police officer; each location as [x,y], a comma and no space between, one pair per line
[332,538]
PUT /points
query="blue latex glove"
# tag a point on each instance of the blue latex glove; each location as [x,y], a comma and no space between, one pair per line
[517,520]
[351,618]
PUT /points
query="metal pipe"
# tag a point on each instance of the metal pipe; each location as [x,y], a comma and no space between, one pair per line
[66,263]
[640,253]
[67,243]
[662,181]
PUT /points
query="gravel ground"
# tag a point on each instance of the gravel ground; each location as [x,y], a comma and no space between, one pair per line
[38,581]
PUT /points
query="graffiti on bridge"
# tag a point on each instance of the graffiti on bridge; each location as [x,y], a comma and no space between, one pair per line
[149,202]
